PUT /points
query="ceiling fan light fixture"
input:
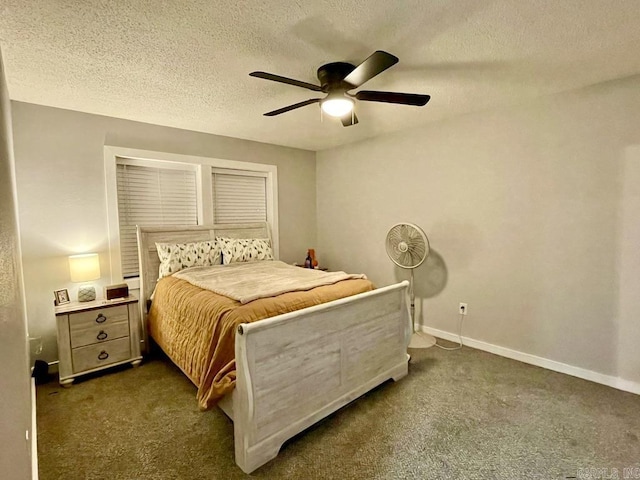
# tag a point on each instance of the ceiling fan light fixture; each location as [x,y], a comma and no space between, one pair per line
[337,105]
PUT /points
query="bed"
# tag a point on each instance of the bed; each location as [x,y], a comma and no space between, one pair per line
[292,369]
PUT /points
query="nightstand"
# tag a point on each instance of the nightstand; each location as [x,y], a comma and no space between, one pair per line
[97,335]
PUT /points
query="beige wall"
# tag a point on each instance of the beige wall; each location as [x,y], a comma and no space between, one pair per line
[530,220]
[61,192]
[15,392]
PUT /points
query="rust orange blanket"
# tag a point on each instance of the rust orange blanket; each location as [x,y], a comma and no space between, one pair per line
[196,328]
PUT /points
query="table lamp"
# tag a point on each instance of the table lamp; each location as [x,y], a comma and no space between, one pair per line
[85,268]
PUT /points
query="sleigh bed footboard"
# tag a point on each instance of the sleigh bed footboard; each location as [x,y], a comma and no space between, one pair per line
[297,368]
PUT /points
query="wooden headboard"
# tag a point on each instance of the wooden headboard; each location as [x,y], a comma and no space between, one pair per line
[148,256]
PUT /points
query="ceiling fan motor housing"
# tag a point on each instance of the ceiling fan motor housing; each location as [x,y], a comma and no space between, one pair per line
[332,76]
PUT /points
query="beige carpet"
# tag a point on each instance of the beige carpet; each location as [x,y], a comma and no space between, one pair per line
[458,415]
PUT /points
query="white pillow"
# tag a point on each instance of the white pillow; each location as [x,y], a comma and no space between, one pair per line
[235,250]
[178,256]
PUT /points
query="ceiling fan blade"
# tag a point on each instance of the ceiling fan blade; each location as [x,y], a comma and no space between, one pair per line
[349,119]
[292,107]
[393,97]
[377,63]
[289,81]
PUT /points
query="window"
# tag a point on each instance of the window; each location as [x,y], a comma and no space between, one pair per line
[151,196]
[156,188]
[239,197]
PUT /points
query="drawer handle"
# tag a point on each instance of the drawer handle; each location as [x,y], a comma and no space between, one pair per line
[101,318]
[102,335]
[103,355]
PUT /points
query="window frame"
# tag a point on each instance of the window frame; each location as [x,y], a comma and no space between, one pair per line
[204,167]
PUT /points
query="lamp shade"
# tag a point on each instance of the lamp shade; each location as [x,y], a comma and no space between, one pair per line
[336,105]
[84,268]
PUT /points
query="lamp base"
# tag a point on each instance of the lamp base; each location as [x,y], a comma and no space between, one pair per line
[86,294]
[422,340]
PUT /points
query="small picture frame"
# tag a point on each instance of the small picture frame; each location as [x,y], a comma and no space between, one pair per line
[62,296]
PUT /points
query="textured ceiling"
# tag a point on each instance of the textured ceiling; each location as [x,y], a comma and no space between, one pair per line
[185,63]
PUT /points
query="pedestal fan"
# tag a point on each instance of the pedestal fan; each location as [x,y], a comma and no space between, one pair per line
[408,247]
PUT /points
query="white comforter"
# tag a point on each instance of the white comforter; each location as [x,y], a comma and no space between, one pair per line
[246,282]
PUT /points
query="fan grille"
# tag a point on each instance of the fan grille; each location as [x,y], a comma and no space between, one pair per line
[407,245]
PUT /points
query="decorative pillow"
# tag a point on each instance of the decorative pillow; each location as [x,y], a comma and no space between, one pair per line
[235,250]
[177,256]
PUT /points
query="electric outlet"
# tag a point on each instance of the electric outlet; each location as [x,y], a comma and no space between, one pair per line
[462,308]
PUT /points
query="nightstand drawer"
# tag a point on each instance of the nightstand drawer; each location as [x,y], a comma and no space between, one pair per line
[101,354]
[98,317]
[99,334]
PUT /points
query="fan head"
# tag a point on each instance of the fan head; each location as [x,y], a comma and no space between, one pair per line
[407,245]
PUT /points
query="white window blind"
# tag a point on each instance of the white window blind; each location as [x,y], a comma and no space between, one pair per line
[239,198]
[152,196]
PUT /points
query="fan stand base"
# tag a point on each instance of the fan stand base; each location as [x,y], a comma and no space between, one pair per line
[422,340]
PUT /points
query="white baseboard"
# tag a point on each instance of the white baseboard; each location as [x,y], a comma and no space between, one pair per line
[34,432]
[615,382]
[53,367]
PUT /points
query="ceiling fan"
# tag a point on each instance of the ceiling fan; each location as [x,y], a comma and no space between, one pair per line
[338,78]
